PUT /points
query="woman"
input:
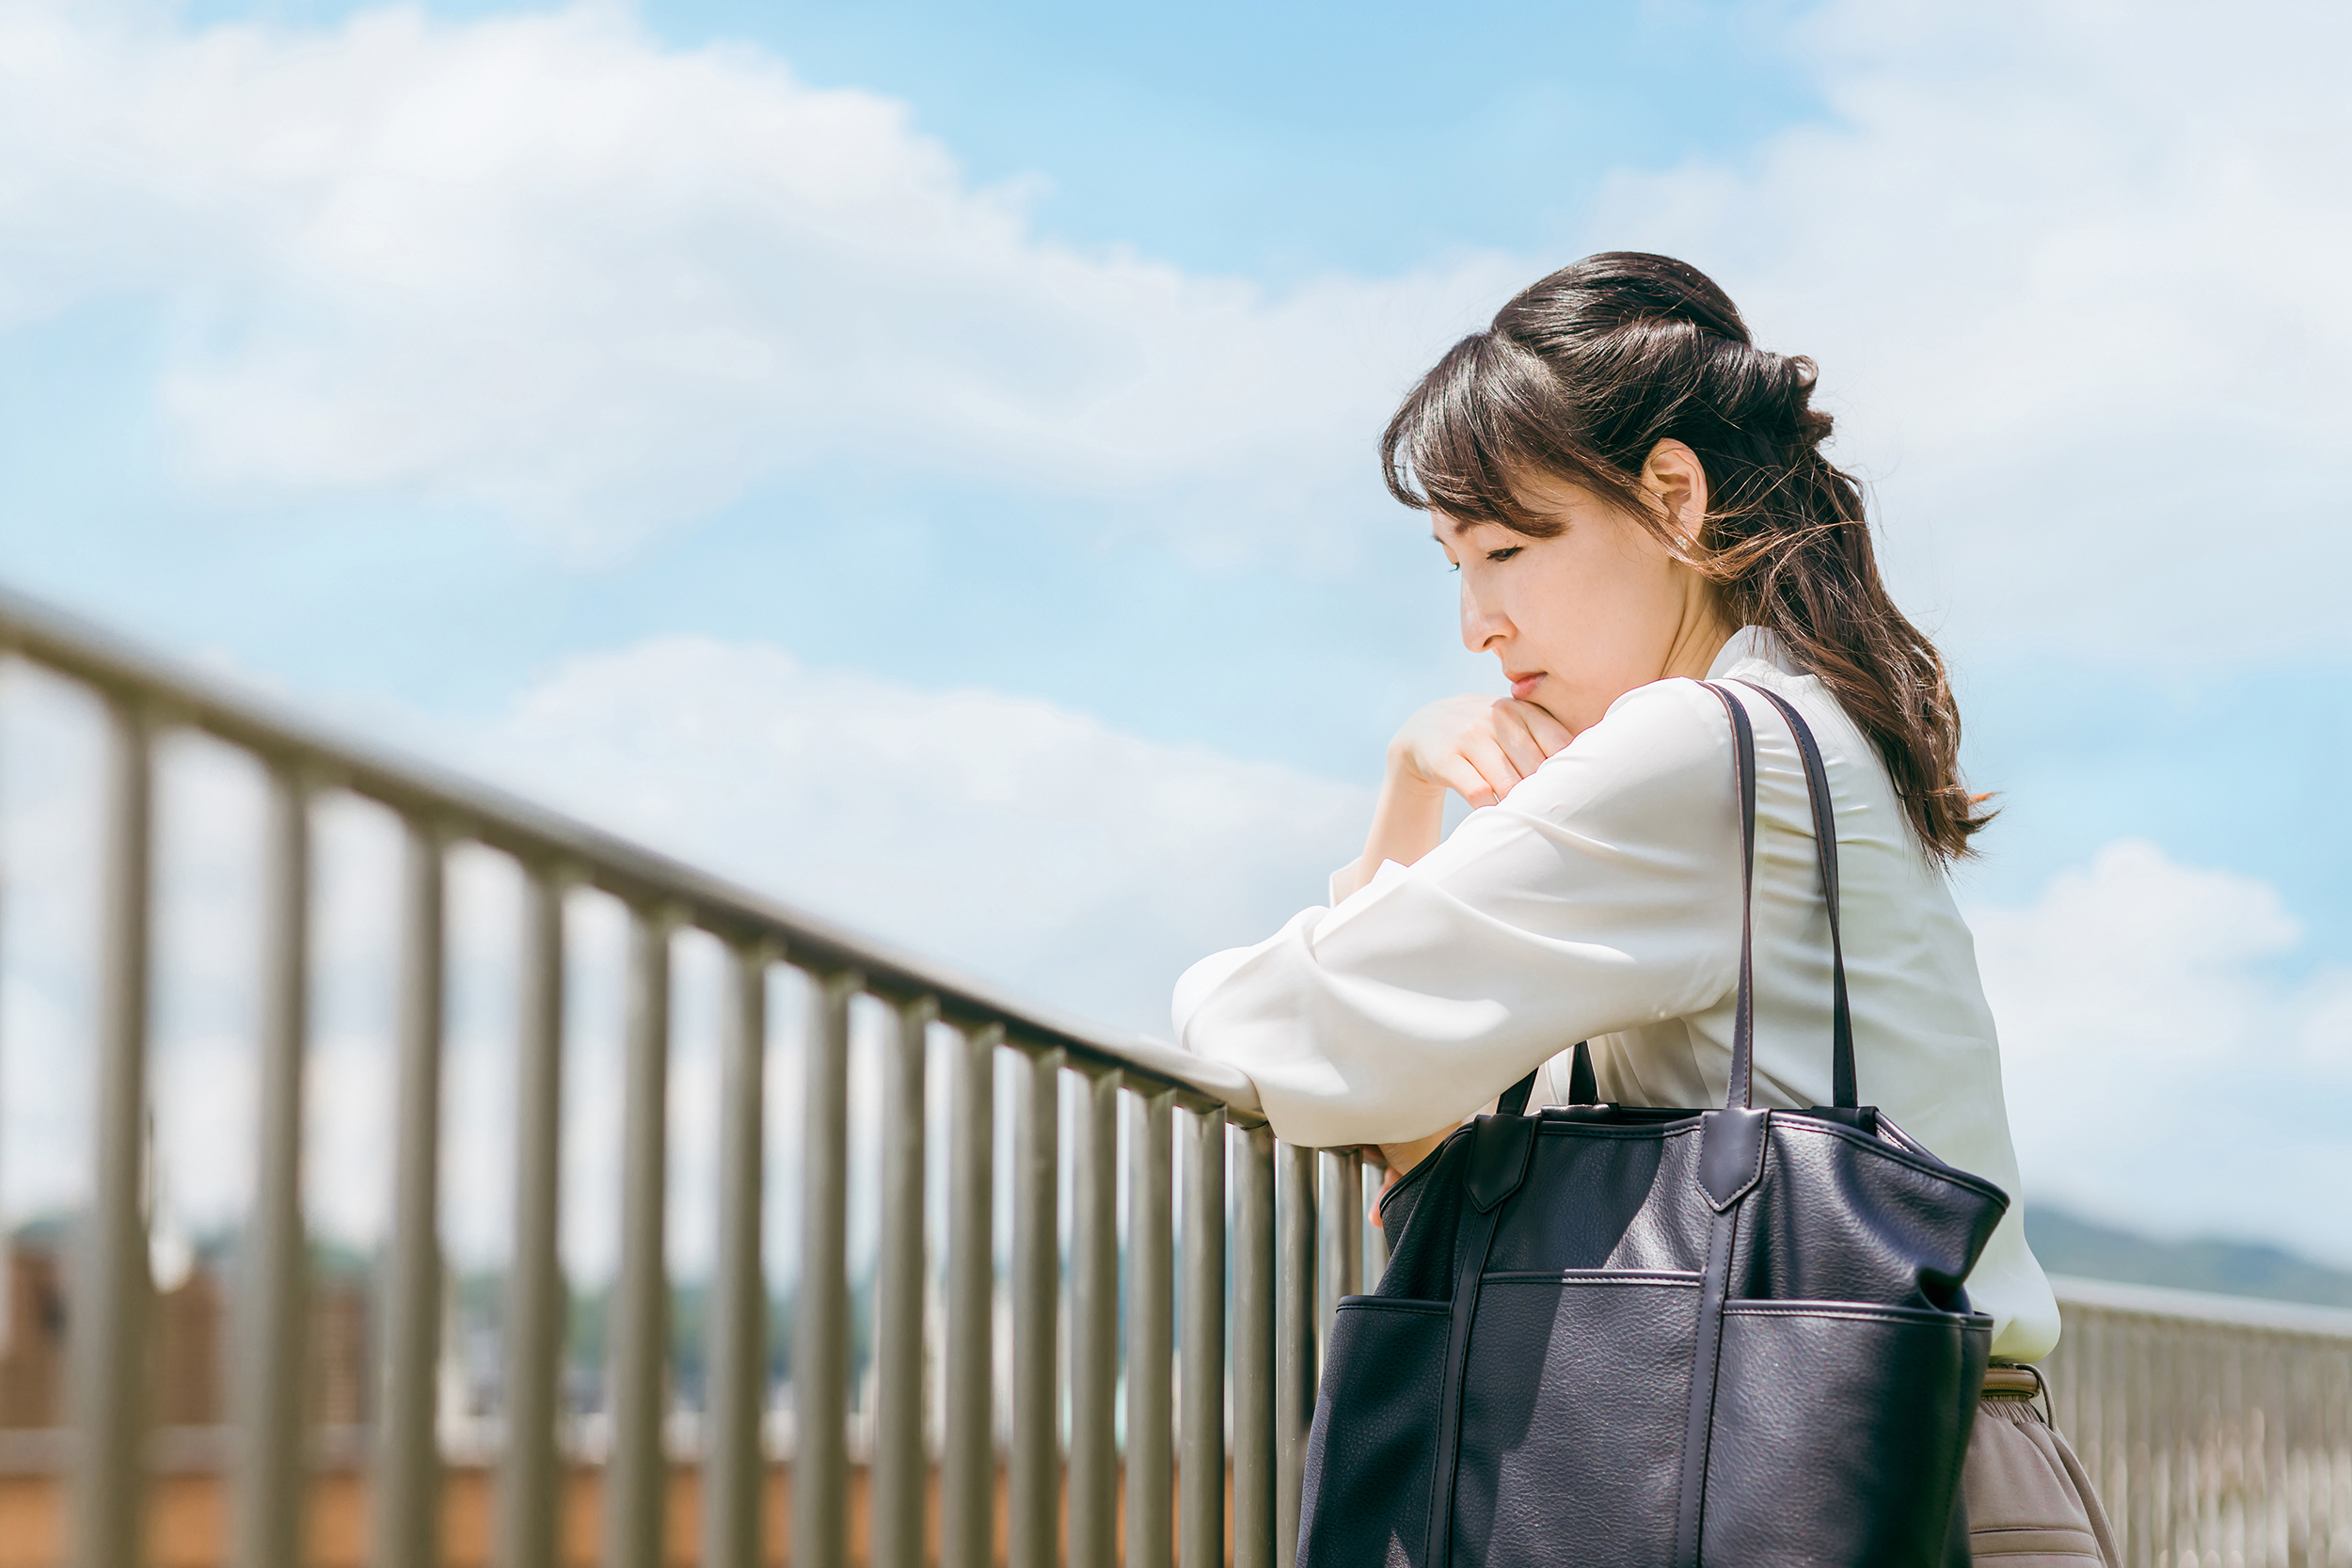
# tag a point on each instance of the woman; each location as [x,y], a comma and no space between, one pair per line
[1636,499]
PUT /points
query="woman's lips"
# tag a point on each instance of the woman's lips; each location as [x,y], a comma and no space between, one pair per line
[1522,686]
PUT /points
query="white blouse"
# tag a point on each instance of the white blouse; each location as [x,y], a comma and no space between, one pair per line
[1600,900]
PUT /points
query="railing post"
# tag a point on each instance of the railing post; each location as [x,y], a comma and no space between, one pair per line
[636,1478]
[1374,1178]
[1295,1371]
[968,1477]
[1200,1475]
[820,1353]
[273,1301]
[406,1512]
[1151,1350]
[1094,1327]
[1341,1271]
[899,1505]
[1036,1459]
[1253,1351]
[737,1389]
[109,1331]
[528,1475]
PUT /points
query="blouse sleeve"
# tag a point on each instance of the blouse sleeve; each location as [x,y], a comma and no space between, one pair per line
[1601,895]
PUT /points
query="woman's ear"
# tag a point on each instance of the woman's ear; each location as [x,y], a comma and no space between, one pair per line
[1675,476]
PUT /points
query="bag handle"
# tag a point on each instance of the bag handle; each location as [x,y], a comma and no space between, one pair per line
[1740,1090]
[1825,857]
[1583,1090]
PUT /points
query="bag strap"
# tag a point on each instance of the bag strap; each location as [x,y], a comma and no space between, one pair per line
[1740,1090]
[1825,856]
[1583,1089]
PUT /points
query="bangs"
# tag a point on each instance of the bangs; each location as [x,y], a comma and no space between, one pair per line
[1488,414]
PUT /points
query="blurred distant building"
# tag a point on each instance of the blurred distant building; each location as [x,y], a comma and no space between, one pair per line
[340,1385]
[191,1337]
[191,1345]
[32,1358]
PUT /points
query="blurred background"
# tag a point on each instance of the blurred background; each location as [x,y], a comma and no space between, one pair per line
[920,461]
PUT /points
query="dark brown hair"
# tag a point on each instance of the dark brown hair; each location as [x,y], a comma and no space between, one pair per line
[1582,376]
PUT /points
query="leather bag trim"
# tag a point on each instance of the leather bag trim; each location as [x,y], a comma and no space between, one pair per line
[1683,1277]
[1862,1311]
[1907,1153]
[1698,1430]
[1497,1162]
[1393,1304]
[1570,1127]
[1446,1453]
[1731,1154]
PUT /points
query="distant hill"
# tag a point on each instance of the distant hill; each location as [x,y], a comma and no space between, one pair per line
[2067,1244]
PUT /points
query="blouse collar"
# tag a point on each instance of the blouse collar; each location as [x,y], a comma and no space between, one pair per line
[1756,644]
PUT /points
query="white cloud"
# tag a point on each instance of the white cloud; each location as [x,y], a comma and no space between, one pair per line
[1024,842]
[2066,266]
[543,262]
[2167,1067]
[2070,269]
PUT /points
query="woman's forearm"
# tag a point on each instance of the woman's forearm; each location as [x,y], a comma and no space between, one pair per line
[1407,824]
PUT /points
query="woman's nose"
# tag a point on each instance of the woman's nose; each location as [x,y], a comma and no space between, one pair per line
[1483,624]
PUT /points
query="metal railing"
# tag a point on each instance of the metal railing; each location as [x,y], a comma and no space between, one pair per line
[1237,1421]
[2218,1429]
[2218,1432]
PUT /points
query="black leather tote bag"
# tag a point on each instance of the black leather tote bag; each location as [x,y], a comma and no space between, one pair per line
[1663,1339]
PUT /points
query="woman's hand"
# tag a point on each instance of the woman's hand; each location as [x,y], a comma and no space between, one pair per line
[1400,1158]
[1478,747]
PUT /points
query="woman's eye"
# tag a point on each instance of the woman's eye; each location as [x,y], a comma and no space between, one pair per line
[1505,553]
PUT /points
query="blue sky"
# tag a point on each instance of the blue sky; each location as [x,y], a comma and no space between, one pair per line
[455,371]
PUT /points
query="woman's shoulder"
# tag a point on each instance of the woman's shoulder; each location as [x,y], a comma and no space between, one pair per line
[1668,724]
[1655,746]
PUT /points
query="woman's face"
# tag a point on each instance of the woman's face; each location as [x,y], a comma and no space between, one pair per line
[1582,618]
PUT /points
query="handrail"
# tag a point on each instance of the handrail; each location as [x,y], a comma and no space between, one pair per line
[2204,1307]
[1185,1118]
[2216,1429]
[72,645]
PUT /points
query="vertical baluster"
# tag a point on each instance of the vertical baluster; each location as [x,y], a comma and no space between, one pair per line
[1151,1293]
[1094,1327]
[273,1302]
[113,1284]
[1375,1240]
[404,1511]
[534,1293]
[820,1353]
[899,1505]
[1253,1351]
[968,1479]
[1350,1224]
[737,1392]
[1201,1476]
[636,1477]
[1294,1343]
[1335,1274]
[1036,1291]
